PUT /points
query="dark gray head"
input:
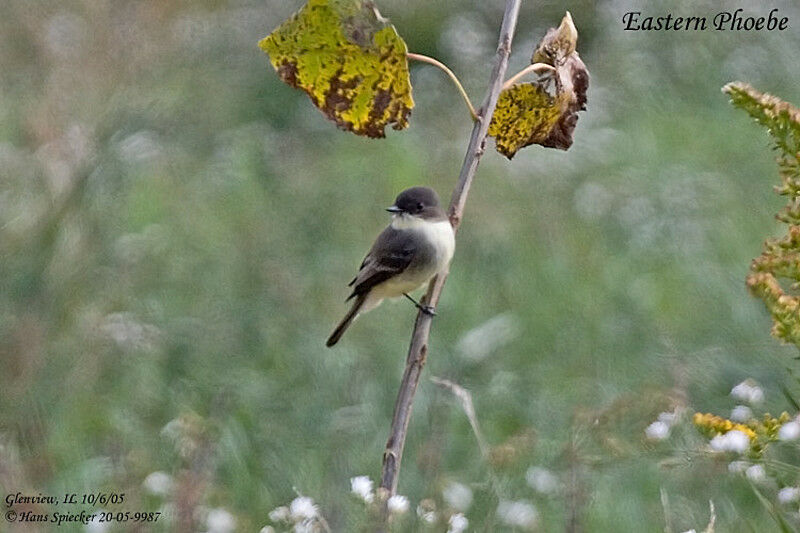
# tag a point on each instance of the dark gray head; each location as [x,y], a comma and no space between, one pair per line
[420,202]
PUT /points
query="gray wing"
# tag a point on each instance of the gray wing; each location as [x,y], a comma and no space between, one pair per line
[391,254]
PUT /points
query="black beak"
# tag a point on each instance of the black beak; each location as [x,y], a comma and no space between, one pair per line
[394,209]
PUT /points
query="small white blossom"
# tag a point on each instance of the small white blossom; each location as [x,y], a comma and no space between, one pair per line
[690,531]
[748,391]
[397,504]
[480,342]
[542,480]
[658,430]
[220,521]
[458,523]
[755,473]
[168,512]
[181,432]
[158,483]
[789,431]
[737,467]
[732,441]
[426,514]
[668,417]
[457,496]
[95,526]
[520,514]
[280,514]
[267,529]
[361,486]
[303,508]
[789,494]
[130,334]
[741,413]
[305,526]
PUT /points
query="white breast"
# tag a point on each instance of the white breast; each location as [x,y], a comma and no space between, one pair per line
[439,234]
[442,236]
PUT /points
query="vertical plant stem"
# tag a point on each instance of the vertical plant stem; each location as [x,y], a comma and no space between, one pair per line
[418,349]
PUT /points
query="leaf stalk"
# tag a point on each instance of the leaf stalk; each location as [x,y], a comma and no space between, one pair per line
[538,68]
[450,74]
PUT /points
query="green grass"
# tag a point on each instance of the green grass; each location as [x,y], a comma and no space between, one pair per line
[222,257]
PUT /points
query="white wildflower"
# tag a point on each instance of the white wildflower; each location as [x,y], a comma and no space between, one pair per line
[741,413]
[658,430]
[280,514]
[668,417]
[520,514]
[267,529]
[305,526]
[426,511]
[397,504]
[139,147]
[303,508]
[168,513]
[458,523]
[95,526]
[479,342]
[220,521]
[173,429]
[756,473]
[361,486]
[690,531]
[737,467]
[733,441]
[130,334]
[789,494]
[158,483]
[458,496]
[789,431]
[748,391]
[542,480]
[182,432]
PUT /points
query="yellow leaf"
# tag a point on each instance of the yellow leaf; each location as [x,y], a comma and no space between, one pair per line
[350,61]
[525,114]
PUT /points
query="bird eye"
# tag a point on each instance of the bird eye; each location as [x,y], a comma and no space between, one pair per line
[419,206]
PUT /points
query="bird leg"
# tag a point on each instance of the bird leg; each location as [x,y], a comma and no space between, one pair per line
[427,309]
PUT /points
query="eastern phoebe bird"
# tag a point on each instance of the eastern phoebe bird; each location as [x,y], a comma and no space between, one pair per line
[416,246]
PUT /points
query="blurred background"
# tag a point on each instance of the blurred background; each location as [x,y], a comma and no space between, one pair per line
[177,229]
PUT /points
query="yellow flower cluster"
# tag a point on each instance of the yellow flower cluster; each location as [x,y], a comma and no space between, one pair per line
[760,432]
[773,274]
[716,425]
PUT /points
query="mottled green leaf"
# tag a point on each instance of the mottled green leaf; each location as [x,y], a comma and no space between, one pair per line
[350,61]
[525,114]
[544,112]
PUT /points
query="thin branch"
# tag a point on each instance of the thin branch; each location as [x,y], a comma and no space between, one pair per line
[665,506]
[418,348]
[468,407]
[712,519]
[465,398]
[451,74]
[538,68]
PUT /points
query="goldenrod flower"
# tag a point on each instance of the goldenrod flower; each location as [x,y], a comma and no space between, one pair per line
[719,425]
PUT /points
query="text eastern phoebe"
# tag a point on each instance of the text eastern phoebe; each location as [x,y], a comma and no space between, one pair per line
[417,245]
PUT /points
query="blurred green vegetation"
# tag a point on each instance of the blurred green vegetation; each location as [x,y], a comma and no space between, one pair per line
[177,228]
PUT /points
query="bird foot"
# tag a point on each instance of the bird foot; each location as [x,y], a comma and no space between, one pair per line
[427,309]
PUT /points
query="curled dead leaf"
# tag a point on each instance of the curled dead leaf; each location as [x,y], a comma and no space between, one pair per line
[544,112]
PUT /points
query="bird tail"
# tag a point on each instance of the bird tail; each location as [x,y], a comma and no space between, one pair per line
[346,321]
